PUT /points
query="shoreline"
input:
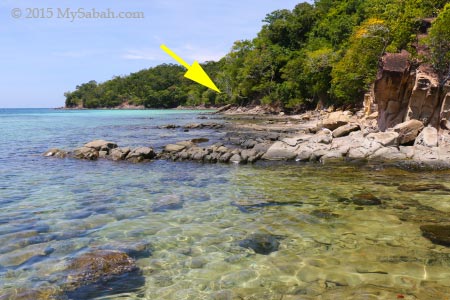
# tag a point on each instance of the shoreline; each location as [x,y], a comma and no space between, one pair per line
[315,136]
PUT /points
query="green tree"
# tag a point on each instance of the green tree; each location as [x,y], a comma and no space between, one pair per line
[439,41]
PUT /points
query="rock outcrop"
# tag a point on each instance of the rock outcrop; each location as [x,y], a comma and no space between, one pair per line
[409,90]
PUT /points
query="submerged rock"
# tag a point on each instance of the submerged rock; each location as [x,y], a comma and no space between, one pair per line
[261,243]
[361,199]
[98,265]
[422,187]
[438,234]
[169,202]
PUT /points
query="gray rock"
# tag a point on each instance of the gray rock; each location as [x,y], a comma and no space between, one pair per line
[388,153]
[324,136]
[311,151]
[261,147]
[245,154]
[280,151]
[140,154]
[86,153]
[345,130]
[408,131]
[101,145]
[331,156]
[224,158]
[294,141]
[119,153]
[237,159]
[389,138]
[428,137]
[103,154]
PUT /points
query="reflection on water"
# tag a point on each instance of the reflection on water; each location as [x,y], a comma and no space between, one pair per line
[226,232]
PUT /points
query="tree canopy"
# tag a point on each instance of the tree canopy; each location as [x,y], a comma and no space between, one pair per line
[325,52]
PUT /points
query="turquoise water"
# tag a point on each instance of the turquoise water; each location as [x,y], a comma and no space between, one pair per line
[52,210]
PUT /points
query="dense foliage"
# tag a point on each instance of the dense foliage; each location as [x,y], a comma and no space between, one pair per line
[322,53]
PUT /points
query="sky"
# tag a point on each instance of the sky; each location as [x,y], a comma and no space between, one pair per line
[48,47]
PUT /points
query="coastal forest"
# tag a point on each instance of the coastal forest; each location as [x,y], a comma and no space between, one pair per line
[326,53]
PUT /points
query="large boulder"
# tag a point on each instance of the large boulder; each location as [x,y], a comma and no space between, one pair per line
[174,148]
[345,130]
[408,131]
[335,120]
[280,151]
[141,154]
[389,138]
[428,137]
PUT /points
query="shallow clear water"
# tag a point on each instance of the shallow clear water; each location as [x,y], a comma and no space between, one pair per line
[328,249]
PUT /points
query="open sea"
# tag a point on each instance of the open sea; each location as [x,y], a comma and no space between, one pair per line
[324,243]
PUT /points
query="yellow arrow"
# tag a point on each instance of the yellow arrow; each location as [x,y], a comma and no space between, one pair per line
[194,72]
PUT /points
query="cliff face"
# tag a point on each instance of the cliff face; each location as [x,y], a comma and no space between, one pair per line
[405,92]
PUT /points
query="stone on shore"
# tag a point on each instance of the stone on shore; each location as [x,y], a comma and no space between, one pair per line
[389,138]
[408,131]
[345,130]
[334,120]
[428,137]
[174,148]
[280,151]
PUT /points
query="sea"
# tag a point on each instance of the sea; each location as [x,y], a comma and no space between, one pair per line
[263,231]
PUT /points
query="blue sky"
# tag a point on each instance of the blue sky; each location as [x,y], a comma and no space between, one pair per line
[42,58]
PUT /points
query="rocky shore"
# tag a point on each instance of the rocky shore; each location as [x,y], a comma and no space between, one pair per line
[323,137]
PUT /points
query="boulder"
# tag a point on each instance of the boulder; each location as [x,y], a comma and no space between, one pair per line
[408,131]
[345,130]
[140,154]
[324,136]
[280,151]
[101,145]
[55,153]
[97,265]
[119,153]
[428,137]
[311,151]
[389,138]
[86,153]
[237,159]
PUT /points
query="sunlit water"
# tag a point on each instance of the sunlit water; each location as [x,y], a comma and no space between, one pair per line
[329,249]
